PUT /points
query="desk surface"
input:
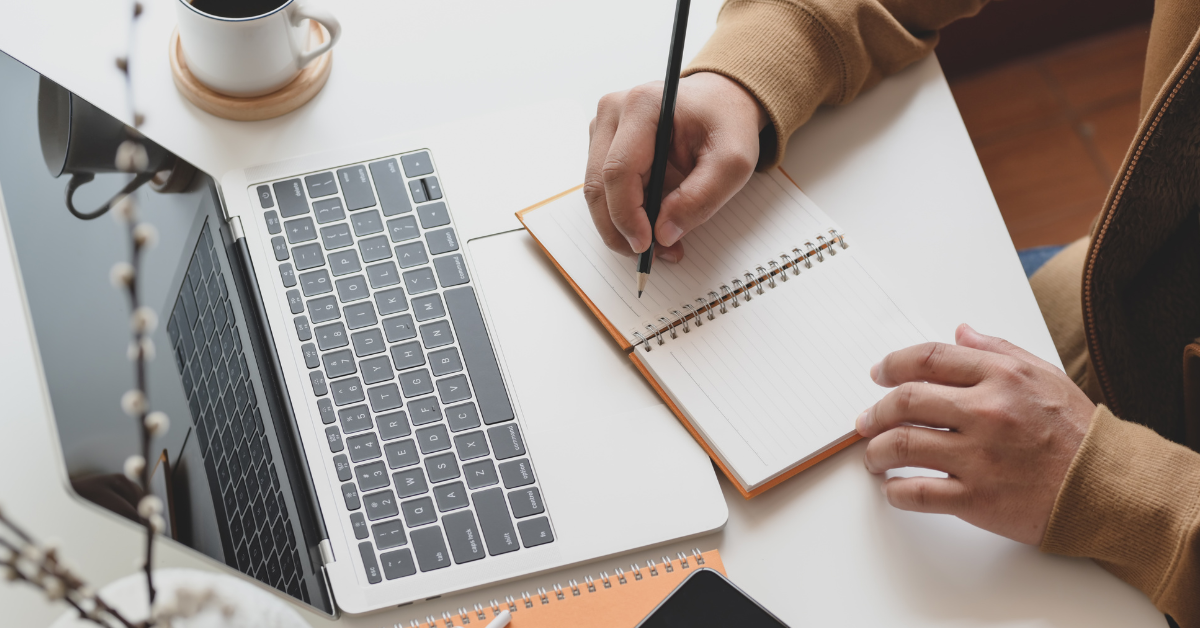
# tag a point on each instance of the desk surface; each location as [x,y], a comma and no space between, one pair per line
[896,169]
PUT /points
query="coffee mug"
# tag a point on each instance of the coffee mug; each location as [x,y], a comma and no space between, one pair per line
[249,48]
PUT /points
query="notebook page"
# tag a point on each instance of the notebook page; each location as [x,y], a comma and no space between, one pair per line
[768,217]
[782,377]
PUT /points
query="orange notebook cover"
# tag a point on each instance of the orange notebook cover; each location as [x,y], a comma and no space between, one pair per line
[608,600]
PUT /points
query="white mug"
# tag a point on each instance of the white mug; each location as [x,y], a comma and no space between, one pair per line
[252,56]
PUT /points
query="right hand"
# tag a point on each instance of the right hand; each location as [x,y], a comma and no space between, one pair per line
[714,149]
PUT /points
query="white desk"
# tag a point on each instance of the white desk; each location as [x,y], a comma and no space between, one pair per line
[896,169]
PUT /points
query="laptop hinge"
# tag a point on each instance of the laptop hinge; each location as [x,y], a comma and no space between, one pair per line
[326,549]
[235,228]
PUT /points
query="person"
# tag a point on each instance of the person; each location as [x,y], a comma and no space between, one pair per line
[1099,461]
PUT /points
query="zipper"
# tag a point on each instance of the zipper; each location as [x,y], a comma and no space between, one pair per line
[1089,319]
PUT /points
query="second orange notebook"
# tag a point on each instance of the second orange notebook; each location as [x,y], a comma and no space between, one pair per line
[760,340]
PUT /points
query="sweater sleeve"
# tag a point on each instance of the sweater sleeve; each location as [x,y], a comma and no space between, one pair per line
[1131,501]
[795,55]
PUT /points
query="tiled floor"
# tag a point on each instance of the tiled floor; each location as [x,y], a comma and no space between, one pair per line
[1051,131]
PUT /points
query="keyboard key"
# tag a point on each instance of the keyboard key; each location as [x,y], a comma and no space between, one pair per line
[430,549]
[295,301]
[425,410]
[442,241]
[374,249]
[393,425]
[334,438]
[329,210]
[360,315]
[398,564]
[506,441]
[356,188]
[390,186]
[341,464]
[375,370]
[411,254]
[321,184]
[401,454]
[312,357]
[300,230]
[418,512]
[363,447]
[516,473]
[433,439]
[350,494]
[428,307]
[317,379]
[336,236]
[368,558]
[432,188]
[355,419]
[323,309]
[471,445]
[325,407]
[303,331]
[366,223]
[410,482]
[526,502]
[419,280]
[535,532]
[477,353]
[352,288]
[418,191]
[462,417]
[308,256]
[403,228]
[338,363]
[436,334]
[343,262]
[441,468]
[417,164]
[278,244]
[433,215]
[389,534]
[391,301]
[451,270]
[452,389]
[465,540]
[315,282]
[399,328]
[384,398]
[497,525]
[445,361]
[359,524]
[347,391]
[332,336]
[383,275]
[264,199]
[286,274]
[480,474]
[451,496]
[415,383]
[291,198]
[371,476]
[407,356]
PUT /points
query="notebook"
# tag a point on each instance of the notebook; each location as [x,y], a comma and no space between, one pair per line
[760,340]
[617,600]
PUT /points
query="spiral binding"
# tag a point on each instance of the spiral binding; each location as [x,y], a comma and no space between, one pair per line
[743,288]
[478,613]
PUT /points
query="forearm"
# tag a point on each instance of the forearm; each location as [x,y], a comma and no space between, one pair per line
[795,55]
[1131,501]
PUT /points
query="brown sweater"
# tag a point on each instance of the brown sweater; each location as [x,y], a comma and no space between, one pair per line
[1116,302]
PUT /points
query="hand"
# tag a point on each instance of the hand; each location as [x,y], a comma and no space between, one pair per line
[714,149]
[1014,424]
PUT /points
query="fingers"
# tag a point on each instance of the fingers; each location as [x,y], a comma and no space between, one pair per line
[915,447]
[933,495]
[934,362]
[602,129]
[626,167]
[717,176]
[966,336]
[914,403]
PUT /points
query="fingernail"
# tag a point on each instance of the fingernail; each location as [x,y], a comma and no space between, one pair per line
[875,372]
[860,424]
[670,256]
[883,488]
[669,233]
[633,244]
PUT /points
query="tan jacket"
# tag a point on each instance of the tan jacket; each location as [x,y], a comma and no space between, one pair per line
[1123,304]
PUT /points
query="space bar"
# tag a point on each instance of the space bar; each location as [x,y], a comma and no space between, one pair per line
[477,353]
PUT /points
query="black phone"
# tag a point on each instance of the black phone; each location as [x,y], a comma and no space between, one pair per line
[707,599]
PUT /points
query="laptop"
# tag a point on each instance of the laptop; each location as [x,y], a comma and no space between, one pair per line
[380,390]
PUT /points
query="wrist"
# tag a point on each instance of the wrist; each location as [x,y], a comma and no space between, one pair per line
[744,100]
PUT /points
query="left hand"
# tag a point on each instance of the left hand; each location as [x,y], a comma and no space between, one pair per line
[1012,424]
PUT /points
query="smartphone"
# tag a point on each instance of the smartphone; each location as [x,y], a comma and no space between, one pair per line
[706,599]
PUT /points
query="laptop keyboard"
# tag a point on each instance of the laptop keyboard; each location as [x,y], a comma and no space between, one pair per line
[228,424]
[419,426]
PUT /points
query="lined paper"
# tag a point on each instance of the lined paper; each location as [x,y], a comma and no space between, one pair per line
[770,216]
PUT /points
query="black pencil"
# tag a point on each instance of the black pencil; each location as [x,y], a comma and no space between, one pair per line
[662,139]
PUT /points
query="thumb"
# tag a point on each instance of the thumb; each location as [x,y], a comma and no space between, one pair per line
[713,181]
[966,336]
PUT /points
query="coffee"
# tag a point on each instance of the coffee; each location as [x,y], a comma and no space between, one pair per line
[237,9]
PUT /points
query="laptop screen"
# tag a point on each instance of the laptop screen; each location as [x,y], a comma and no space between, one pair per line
[228,469]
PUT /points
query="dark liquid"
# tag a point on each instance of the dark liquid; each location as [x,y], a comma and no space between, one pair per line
[237,8]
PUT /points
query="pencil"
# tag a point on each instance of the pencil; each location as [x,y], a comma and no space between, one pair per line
[662,139]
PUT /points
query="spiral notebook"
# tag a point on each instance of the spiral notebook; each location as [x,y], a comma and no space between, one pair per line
[608,600]
[760,340]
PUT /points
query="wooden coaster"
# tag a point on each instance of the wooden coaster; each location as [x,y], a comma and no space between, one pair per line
[289,98]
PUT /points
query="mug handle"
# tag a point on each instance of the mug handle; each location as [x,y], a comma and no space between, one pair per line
[317,14]
[81,178]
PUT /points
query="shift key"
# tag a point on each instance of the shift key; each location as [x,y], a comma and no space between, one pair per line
[390,185]
[497,525]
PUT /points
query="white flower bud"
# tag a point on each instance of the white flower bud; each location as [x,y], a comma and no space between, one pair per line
[133,402]
[157,423]
[158,524]
[148,350]
[32,554]
[121,275]
[131,157]
[145,235]
[144,320]
[124,210]
[54,588]
[148,506]
[133,468]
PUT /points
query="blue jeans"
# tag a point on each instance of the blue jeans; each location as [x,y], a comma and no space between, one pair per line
[1033,259]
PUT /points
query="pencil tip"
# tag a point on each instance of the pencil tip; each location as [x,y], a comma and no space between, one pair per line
[639,294]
